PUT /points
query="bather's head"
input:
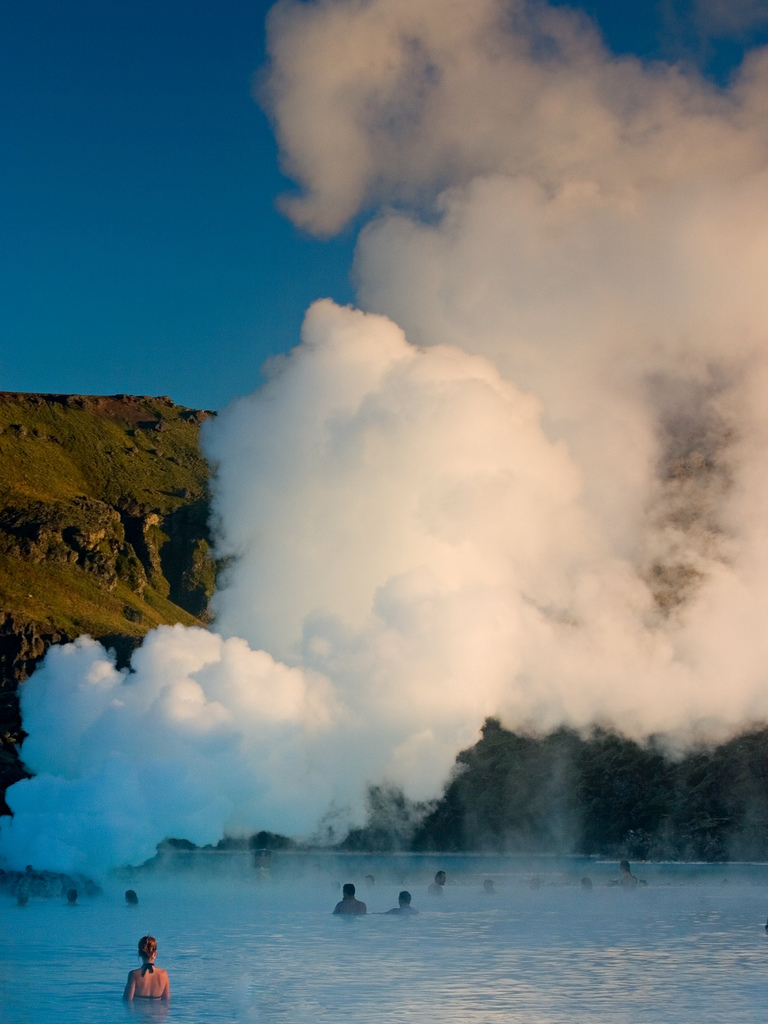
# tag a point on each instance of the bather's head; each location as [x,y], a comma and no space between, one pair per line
[440,878]
[348,891]
[624,866]
[71,896]
[404,899]
[131,898]
[147,947]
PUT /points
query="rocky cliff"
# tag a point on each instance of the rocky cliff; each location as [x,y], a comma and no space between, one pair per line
[103,530]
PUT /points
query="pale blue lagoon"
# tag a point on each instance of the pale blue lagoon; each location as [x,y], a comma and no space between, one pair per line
[689,946]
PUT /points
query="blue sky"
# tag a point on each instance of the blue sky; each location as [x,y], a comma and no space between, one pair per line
[142,251]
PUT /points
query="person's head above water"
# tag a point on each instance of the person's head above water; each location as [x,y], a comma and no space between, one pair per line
[623,865]
[404,899]
[148,981]
[71,896]
[488,885]
[131,898]
[437,887]
[148,947]
[348,904]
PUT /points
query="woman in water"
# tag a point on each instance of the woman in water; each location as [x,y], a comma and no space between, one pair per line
[147,981]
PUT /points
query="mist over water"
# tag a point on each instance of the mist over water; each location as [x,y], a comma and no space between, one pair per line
[528,480]
[686,947]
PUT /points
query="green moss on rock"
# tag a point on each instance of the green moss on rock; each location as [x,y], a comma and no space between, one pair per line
[103,529]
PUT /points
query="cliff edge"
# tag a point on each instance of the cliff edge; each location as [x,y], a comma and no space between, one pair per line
[103,530]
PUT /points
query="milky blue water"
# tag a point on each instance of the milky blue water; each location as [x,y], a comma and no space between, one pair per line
[688,947]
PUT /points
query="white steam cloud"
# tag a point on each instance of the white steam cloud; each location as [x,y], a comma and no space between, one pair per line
[204,732]
[529,481]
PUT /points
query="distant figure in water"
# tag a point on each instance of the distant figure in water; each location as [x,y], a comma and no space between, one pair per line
[263,862]
[71,897]
[22,899]
[348,904]
[436,888]
[370,881]
[404,899]
[534,883]
[147,981]
[586,883]
[627,878]
[488,887]
[131,898]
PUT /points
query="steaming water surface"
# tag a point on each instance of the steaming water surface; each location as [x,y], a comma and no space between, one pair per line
[689,946]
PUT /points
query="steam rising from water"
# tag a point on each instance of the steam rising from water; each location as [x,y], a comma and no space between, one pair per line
[551,509]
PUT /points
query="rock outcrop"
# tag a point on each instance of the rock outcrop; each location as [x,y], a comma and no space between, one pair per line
[103,530]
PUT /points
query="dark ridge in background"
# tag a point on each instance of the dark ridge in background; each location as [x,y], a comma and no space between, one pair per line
[595,794]
[103,530]
[598,794]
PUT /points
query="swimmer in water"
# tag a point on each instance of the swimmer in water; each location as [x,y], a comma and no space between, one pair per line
[71,897]
[586,883]
[627,878]
[147,981]
[131,898]
[263,860]
[488,888]
[405,908]
[436,887]
[348,904]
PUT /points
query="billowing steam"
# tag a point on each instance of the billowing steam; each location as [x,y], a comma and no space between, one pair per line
[529,481]
[203,732]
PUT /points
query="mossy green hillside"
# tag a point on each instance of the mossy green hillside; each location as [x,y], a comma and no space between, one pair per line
[113,449]
[62,597]
[103,513]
